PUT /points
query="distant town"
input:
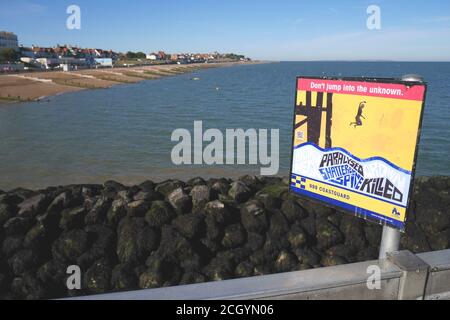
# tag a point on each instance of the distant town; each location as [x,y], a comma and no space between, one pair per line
[15,57]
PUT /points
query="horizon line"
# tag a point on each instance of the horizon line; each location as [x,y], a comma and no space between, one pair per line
[360,60]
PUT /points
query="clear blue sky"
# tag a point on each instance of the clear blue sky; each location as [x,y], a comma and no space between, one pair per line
[274,30]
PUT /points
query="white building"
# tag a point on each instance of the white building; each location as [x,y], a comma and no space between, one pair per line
[8,40]
[104,62]
[49,63]
[151,56]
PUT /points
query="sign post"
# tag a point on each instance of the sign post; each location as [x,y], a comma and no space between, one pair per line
[355,146]
[390,240]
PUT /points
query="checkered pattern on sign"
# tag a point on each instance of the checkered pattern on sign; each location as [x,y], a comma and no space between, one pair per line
[298,182]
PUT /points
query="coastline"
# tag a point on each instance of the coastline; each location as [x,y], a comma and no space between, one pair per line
[37,86]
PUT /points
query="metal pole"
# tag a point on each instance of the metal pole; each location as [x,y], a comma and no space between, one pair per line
[390,241]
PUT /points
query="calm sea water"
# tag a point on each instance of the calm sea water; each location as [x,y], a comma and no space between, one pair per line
[123,133]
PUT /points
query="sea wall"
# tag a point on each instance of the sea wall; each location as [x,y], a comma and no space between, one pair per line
[175,232]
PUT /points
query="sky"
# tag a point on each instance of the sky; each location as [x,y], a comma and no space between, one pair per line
[411,30]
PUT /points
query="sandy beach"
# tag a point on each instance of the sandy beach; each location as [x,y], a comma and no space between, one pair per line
[34,86]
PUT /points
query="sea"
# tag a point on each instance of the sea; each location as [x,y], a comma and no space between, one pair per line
[124,133]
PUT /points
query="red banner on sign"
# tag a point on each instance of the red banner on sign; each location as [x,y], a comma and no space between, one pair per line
[371,89]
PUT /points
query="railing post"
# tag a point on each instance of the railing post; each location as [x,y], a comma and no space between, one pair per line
[415,273]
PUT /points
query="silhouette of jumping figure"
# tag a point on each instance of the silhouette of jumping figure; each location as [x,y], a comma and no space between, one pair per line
[358,121]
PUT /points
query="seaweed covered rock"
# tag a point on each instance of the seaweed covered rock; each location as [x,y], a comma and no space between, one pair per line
[72,218]
[65,200]
[114,185]
[197,181]
[38,238]
[97,215]
[255,241]
[279,226]
[180,201]
[97,278]
[293,211]
[220,268]
[151,279]
[17,226]
[135,240]
[22,261]
[244,269]
[123,277]
[239,192]
[11,245]
[34,205]
[218,215]
[70,245]
[7,211]
[102,245]
[234,236]
[221,186]
[138,208]
[165,271]
[201,194]
[159,214]
[254,217]
[192,277]
[286,261]
[174,247]
[168,186]
[190,225]
[117,211]
[352,229]
[148,195]
[297,237]
[171,233]
[328,235]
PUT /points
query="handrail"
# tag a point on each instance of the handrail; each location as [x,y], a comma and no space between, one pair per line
[403,276]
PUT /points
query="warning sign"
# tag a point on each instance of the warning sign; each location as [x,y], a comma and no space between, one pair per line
[355,144]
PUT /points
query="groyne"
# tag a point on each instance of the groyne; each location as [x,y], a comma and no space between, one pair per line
[165,234]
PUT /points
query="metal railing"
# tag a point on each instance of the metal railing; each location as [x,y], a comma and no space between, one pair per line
[403,276]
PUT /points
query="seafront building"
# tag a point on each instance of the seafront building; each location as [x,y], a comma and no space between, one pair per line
[8,40]
[152,56]
[67,57]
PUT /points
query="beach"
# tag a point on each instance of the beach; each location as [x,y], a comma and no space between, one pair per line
[35,86]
